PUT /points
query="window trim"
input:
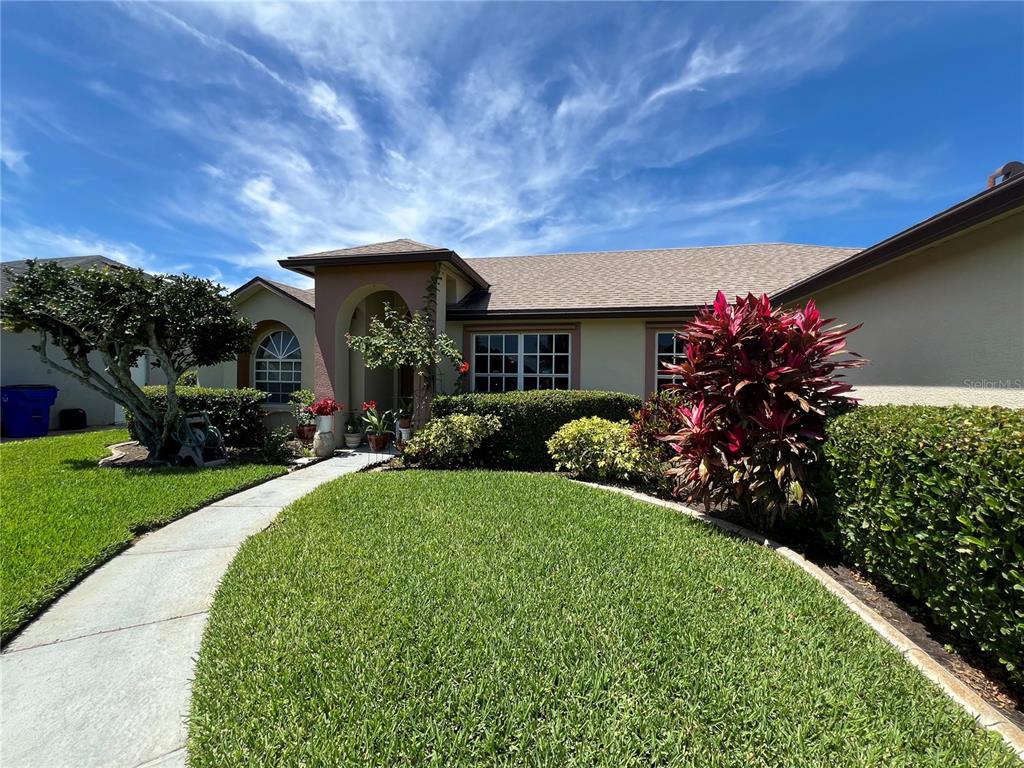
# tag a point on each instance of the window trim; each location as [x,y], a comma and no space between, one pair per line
[652,330]
[573,329]
[659,375]
[256,360]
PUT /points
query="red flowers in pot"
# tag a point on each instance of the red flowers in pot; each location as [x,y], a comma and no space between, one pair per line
[326,406]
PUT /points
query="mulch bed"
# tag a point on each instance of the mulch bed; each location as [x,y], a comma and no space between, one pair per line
[132,455]
[985,679]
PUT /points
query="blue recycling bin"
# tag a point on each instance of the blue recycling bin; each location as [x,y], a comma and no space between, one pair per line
[25,409]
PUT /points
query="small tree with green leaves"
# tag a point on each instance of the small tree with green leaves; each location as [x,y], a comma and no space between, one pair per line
[394,340]
[104,320]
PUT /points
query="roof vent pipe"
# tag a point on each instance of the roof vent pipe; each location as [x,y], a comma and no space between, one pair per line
[1005,173]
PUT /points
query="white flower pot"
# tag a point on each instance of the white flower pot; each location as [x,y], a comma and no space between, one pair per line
[405,433]
[353,439]
[325,423]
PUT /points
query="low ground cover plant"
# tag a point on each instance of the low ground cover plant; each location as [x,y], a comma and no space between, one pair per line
[237,413]
[931,501]
[529,419]
[593,448]
[492,618]
[450,441]
[758,383]
[62,514]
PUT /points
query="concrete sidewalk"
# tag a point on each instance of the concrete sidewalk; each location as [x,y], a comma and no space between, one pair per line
[104,677]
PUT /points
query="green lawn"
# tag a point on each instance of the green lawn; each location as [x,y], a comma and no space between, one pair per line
[61,514]
[452,619]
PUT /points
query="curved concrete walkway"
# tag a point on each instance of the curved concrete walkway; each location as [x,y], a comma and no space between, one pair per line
[104,677]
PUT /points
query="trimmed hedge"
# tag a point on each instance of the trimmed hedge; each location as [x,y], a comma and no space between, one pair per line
[932,501]
[529,419]
[235,412]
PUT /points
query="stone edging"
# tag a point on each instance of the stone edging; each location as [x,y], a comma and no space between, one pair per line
[983,713]
[115,454]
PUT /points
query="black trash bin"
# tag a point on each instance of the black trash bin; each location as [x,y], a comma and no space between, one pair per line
[70,418]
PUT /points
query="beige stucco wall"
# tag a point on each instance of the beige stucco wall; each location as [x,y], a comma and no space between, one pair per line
[613,355]
[20,364]
[264,305]
[613,352]
[944,325]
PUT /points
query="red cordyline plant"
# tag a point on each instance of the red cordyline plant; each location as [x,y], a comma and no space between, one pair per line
[758,384]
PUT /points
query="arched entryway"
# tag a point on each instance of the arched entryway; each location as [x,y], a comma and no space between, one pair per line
[387,387]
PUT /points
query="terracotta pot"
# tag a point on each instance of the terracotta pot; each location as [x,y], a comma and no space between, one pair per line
[305,432]
[405,422]
[377,442]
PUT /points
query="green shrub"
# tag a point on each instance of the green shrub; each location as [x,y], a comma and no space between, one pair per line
[529,419]
[188,379]
[235,412]
[930,500]
[450,441]
[593,448]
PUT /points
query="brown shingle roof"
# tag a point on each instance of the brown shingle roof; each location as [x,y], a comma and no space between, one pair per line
[388,248]
[304,296]
[17,267]
[663,279]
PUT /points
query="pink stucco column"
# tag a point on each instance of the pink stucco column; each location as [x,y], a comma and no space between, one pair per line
[339,290]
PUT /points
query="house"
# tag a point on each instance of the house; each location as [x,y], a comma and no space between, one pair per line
[20,363]
[942,304]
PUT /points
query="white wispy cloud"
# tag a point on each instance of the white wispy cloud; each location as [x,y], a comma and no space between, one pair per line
[328,125]
[26,241]
[32,242]
[13,159]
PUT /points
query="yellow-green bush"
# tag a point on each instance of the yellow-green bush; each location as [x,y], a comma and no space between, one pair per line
[529,419]
[593,448]
[450,441]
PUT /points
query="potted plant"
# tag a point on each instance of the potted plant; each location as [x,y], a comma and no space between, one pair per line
[376,425]
[403,416]
[305,419]
[353,431]
[324,410]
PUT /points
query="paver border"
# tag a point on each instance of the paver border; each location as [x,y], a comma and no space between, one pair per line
[984,714]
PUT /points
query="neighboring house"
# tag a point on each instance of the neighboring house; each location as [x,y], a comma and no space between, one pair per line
[941,304]
[20,363]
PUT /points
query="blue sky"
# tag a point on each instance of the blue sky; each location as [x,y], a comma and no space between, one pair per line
[216,139]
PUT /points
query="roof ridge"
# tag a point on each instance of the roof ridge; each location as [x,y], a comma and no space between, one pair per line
[676,248]
[279,284]
[406,240]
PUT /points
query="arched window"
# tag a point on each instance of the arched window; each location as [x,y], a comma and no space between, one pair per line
[278,366]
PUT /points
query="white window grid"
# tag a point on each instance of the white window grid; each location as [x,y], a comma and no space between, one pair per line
[668,349]
[504,362]
[278,366]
